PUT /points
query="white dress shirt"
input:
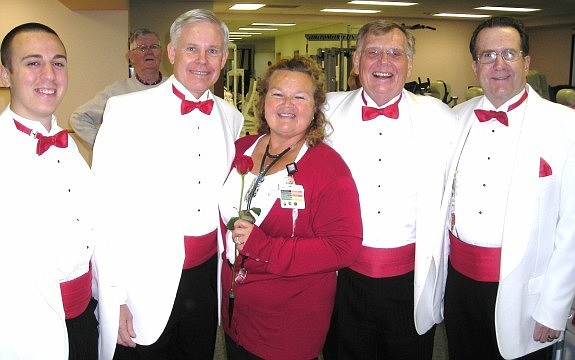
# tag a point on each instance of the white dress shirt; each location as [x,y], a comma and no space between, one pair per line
[204,181]
[46,237]
[483,176]
[380,154]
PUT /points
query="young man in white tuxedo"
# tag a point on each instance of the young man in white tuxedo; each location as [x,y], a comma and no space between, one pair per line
[47,222]
[511,234]
[160,159]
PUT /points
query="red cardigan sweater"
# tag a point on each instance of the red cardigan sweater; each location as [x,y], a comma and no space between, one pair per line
[283,308]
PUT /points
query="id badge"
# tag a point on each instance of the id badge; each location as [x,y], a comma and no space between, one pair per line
[291,196]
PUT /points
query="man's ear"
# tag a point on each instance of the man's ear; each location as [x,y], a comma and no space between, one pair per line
[4,76]
[171,53]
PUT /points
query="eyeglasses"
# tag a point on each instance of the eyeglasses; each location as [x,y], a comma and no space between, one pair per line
[393,54]
[144,48]
[489,57]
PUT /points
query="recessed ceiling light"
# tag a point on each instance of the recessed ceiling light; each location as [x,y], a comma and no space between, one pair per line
[382,3]
[240,36]
[257,29]
[355,11]
[247,6]
[273,24]
[503,8]
[238,33]
[462,15]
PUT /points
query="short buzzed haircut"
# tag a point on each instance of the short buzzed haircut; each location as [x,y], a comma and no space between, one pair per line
[6,47]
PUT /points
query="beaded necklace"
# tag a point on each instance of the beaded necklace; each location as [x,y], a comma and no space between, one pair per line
[147,83]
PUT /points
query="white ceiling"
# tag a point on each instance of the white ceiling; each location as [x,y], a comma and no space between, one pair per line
[307,15]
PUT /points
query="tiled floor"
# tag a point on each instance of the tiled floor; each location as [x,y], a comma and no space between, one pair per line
[439,351]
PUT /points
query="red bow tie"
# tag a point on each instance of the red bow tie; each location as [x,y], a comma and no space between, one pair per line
[59,139]
[370,113]
[486,115]
[187,105]
[501,116]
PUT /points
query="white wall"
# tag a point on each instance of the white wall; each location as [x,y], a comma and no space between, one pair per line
[261,62]
[550,50]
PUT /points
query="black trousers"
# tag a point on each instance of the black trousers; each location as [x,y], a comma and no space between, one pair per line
[191,329]
[236,352]
[470,320]
[83,334]
[373,319]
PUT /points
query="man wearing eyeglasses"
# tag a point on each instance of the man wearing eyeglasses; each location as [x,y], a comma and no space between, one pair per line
[145,55]
[397,146]
[512,226]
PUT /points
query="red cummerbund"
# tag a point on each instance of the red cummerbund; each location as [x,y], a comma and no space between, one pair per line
[380,263]
[76,295]
[476,262]
[199,249]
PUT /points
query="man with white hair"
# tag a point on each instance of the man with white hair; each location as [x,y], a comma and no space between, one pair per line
[160,157]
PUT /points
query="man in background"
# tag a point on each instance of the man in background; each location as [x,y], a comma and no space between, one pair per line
[145,55]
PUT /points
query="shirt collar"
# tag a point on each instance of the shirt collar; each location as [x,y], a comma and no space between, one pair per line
[205,96]
[36,125]
[372,103]
[487,105]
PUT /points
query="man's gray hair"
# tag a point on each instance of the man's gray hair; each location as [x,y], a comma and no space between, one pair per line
[381,26]
[140,32]
[194,16]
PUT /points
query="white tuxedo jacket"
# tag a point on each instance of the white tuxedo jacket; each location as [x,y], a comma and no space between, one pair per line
[39,232]
[141,162]
[433,130]
[537,269]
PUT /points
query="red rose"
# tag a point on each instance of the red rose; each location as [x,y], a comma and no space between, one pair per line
[243,164]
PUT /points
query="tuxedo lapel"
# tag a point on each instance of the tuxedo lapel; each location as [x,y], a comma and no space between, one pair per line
[522,198]
[219,114]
